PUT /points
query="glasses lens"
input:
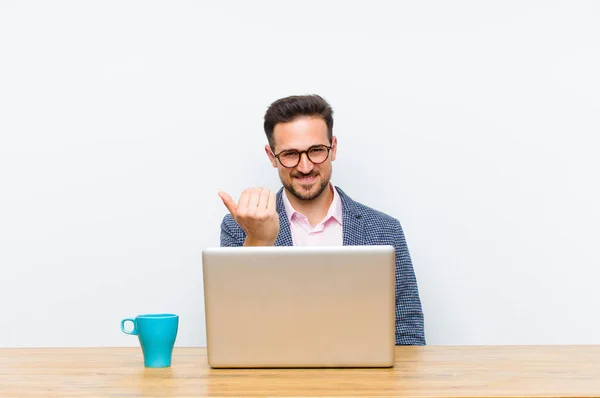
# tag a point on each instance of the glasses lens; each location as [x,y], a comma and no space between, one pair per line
[289,158]
[318,154]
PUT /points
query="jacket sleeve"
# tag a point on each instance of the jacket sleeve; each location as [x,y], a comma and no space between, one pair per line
[231,233]
[409,313]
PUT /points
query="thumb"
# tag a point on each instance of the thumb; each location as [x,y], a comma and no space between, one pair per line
[228,202]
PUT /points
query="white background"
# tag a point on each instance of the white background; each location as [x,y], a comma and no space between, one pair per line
[475,123]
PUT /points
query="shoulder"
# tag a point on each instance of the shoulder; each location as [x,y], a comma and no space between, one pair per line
[380,226]
[377,226]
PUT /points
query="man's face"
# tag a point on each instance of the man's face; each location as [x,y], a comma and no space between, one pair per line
[306,180]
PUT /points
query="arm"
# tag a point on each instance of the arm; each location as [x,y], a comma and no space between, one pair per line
[409,314]
[232,234]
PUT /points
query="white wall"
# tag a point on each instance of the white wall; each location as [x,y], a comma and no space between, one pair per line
[474,123]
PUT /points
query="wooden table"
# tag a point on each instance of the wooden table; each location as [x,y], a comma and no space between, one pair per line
[468,371]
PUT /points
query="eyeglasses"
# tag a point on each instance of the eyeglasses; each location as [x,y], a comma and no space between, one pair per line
[316,154]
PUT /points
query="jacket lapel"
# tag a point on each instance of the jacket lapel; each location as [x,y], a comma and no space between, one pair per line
[352,224]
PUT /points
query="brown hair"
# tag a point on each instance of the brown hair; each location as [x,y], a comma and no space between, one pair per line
[287,109]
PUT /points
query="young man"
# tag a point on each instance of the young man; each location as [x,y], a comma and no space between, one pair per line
[309,210]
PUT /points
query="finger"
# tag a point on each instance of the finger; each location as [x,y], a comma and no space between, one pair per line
[228,202]
[253,201]
[263,202]
[272,205]
[243,202]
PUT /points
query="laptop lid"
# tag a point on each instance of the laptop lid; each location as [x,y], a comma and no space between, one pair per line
[299,306]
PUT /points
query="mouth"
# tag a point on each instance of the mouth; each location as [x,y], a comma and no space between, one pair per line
[306,180]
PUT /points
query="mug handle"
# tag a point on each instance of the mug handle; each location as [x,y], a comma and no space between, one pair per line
[134,331]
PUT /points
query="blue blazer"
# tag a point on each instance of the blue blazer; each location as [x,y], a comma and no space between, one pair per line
[361,226]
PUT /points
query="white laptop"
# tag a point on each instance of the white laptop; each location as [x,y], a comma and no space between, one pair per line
[274,307]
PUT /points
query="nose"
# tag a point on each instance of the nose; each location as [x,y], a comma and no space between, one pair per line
[305,166]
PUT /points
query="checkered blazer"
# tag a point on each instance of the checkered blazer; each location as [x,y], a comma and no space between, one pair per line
[361,226]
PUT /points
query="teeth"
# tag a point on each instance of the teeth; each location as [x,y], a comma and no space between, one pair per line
[306,178]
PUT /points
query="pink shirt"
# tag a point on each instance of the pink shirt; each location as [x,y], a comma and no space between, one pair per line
[326,233]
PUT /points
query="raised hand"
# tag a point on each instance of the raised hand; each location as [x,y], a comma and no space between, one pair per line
[256,213]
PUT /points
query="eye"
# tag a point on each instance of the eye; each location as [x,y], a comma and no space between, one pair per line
[288,154]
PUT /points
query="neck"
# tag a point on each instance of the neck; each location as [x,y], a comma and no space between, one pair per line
[314,209]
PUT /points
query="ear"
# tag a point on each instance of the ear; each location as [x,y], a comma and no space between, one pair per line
[271,156]
[333,148]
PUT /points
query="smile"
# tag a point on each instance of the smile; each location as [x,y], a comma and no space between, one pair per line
[306,179]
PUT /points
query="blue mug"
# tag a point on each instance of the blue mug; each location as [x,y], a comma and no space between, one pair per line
[157,334]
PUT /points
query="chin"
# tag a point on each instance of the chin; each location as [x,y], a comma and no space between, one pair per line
[314,192]
[308,195]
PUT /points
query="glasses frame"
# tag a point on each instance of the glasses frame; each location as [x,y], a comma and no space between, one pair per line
[300,155]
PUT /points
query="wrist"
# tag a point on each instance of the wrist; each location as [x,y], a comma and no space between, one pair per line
[258,242]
